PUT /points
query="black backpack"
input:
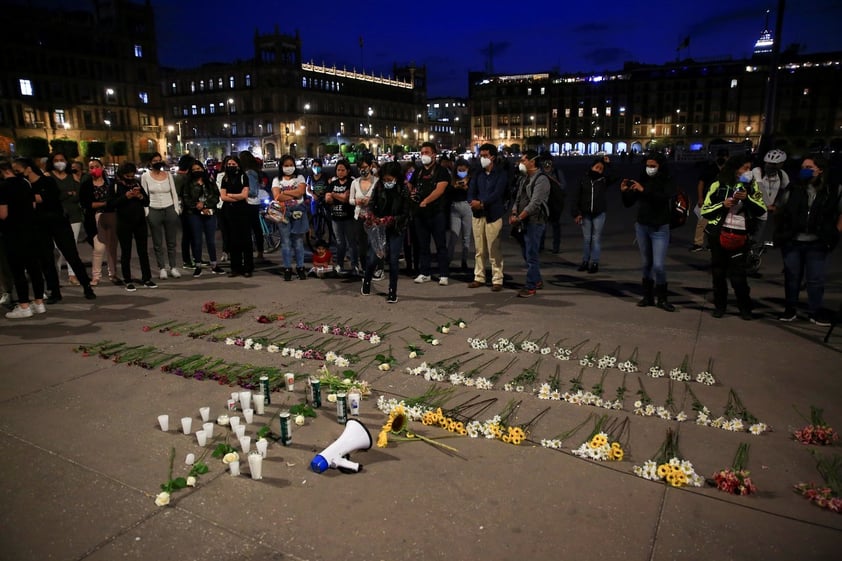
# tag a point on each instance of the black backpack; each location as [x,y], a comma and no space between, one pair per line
[555,200]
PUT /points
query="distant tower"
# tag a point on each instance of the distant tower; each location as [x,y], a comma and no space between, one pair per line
[765,42]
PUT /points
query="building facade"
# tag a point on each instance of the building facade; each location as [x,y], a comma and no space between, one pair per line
[683,107]
[90,77]
[449,123]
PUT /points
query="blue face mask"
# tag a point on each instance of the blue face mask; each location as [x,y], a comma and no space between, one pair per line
[461,174]
[317,170]
[746,177]
[806,174]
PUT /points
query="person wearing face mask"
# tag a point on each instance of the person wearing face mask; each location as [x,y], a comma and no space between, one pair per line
[432,215]
[652,192]
[530,214]
[234,192]
[460,213]
[808,222]
[93,194]
[130,201]
[338,196]
[486,191]
[200,199]
[250,168]
[317,187]
[390,206]
[772,181]
[706,179]
[68,185]
[163,214]
[588,210]
[289,189]
[361,189]
[732,207]
[557,180]
[53,230]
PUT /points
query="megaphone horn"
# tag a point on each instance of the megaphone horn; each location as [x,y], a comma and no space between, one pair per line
[354,437]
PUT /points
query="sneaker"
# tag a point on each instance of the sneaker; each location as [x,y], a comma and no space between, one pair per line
[337,269]
[163,274]
[19,313]
[788,316]
[695,248]
[583,267]
[422,278]
[188,265]
[820,321]
[5,299]
[53,299]
[475,284]
[443,281]
[89,293]
[391,298]
[594,268]
[377,275]
[224,257]
[38,308]
[175,273]
[130,287]
[116,281]
[718,313]
[365,289]
[217,270]
[197,272]
[526,292]
[150,284]
[287,274]
[302,273]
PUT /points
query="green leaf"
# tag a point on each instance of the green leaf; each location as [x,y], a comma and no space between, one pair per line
[199,468]
[264,431]
[221,450]
[302,409]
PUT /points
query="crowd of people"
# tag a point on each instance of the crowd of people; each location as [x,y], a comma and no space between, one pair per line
[426,213]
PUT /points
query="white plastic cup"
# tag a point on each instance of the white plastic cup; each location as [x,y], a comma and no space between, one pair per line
[248,415]
[164,421]
[208,430]
[190,459]
[245,444]
[240,431]
[235,396]
[245,399]
[262,445]
[234,467]
[186,425]
[289,378]
[256,465]
[205,413]
[202,437]
[234,421]
[259,405]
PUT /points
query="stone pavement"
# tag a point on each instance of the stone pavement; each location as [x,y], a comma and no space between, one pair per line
[85,459]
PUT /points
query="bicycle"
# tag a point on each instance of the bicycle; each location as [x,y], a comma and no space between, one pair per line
[271,231]
[755,256]
[320,229]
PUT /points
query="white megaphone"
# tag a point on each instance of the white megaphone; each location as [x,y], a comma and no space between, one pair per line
[354,437]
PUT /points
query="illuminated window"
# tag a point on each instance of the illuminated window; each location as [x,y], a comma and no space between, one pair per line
[144,97]
[192,86]
[581,112]
[528,91]
[594,112]
[138,51]
[231,82]
[210,84]
[806,91]
[543,90]
[566,112]
[212,108]
[26,87]
[248,80]
[220,83]
[733,83]
[193,109]
[60,117]
[201,85]
[174,87]
[607,111]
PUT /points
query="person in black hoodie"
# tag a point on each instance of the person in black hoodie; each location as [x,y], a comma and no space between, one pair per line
[653,190]
[390,206]
[130,201]
[588,210]
[808,225]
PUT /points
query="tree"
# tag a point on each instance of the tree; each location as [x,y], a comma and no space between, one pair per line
[93,149]
[70,148]
[118,148]
[32,147]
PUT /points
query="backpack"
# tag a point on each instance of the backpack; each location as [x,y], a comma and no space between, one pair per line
[679,210]
[555,200]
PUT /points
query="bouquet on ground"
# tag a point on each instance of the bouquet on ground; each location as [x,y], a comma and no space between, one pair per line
[605,441]
[680,373]
[176,483]
[669,466]
[706,376]
[736,480]
[817,431]
[397,425]
[557,442]
[829,495]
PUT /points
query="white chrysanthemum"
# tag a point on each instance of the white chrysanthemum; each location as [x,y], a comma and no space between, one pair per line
[342,362]
[681,416]
[555,395]
[508,387]
[273,348]
[470,382]
[758,429]
[361,335]
[229,340]
[375,340]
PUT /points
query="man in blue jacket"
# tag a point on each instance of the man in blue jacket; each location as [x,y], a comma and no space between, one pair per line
[485,196]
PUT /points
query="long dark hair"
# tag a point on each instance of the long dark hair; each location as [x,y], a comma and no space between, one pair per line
[248,161]
[30,163]
[728,173]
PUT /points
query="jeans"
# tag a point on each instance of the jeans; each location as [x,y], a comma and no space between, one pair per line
[653,242]
[76,227]
[203,226]
[532,236]
[432,225]
[293,242]
[256,228]
[187,239]
[488,248]
[133,227]
[343,231]
[592,237]
[163,221]
[25,266]
[394,242]
[461,219]
[810,257]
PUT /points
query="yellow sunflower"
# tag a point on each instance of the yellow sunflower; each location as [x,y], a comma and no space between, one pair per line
[663,470]
[383,439]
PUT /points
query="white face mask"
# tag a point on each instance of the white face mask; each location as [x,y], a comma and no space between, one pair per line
[60,166]
[522,167]
[389,184]
[485,162]
[373,171]
[651,170]
[289,170]
[426,160]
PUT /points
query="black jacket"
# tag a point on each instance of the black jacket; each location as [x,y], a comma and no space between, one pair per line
[391,202]
[589,196]
[799,217]
[654,209]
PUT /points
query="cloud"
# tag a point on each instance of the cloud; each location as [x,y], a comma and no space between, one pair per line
[604,57]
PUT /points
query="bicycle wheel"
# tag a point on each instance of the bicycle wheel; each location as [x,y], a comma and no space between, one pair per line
[271,236]
[319,231]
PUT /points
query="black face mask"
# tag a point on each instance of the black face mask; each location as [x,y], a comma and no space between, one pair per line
[197,174]
[232,170]
[594,174]
[720,162]
[158,166]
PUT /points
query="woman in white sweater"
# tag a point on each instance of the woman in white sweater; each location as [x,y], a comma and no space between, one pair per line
[164,209]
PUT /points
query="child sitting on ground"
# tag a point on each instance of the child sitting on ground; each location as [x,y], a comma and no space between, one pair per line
[322,258]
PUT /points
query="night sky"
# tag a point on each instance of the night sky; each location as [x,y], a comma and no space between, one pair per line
[452,38]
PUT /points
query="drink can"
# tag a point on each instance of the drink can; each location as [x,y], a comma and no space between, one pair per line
[314,393]
[354,398]
[232,405]
[341,408]
[286,428]
[264,389]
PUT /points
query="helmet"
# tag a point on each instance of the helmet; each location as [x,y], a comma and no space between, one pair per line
[775,157]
